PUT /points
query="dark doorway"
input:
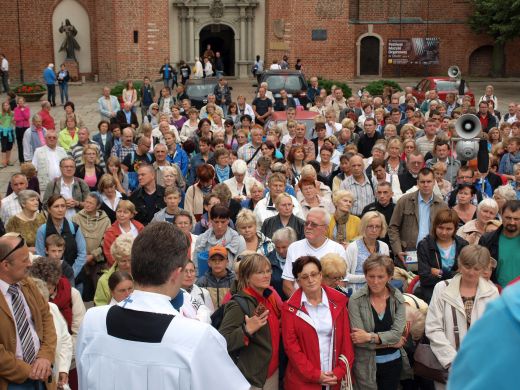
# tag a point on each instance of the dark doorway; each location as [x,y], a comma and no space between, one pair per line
[369,56]
[222,39]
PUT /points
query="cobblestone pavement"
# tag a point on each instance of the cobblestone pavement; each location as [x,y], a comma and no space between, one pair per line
[85,99]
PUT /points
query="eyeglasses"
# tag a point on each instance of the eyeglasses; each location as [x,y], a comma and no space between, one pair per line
[312,224]
[373,227]
[21,244]
[334,278]
[313,275]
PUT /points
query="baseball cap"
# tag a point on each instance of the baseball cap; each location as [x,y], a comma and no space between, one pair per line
[218,250]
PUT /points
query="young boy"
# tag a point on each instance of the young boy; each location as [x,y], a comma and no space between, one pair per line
[218,278]
[222,168]
[54,249]
[200,158]
[172,198]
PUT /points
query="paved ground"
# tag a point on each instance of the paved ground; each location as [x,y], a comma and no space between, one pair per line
[85,98]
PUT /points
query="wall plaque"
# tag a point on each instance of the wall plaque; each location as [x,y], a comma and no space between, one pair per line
[319,35]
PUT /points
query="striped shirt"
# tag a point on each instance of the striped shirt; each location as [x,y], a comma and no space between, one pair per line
[363,193]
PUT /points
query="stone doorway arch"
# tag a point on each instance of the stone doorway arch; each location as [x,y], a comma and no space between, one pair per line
[222,39]
[369,54]
[481,61]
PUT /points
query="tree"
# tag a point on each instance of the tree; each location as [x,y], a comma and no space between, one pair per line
[501,20]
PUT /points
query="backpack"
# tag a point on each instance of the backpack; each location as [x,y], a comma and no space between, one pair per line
[218,315]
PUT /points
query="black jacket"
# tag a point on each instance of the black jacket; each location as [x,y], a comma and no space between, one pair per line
[490,241]
[365,144]
[80,172]
[145,214]
[121,119]
[276,276]
[272,224]
[406,181]
[428,257]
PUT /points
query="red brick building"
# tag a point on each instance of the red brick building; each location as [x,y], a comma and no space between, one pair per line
[334,38]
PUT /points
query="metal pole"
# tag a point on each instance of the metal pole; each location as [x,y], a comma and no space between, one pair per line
[19,40]
[427,27]
[400,31]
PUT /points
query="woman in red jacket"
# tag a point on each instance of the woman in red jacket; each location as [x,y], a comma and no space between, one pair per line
[125,223]
[315,331]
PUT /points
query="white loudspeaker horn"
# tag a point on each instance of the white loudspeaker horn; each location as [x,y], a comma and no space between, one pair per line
[454,72]
[468,126]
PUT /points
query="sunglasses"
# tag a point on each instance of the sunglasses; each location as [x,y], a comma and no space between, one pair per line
[21,244]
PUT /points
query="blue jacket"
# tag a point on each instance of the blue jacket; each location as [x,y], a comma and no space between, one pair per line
[496,335]
[49,76]
[181,159]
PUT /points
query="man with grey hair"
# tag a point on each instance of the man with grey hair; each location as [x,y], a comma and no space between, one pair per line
[282,238]
[45,114]
[83,140]
[314,244]
[126,146]
[211,99]
[108,106]
[126,117]
[141,155]
[33,138]
[47,159]
[10,204]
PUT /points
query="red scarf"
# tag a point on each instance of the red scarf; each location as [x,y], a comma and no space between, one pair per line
[63,300]
[273,303]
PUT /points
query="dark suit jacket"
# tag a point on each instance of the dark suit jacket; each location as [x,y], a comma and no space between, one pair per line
[12,369]
[121,119]
[107,147]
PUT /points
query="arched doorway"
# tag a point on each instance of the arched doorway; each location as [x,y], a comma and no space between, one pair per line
[222,39]
[481,61]
[369,53]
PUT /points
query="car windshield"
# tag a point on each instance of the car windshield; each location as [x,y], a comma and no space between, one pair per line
[199,90]
[287,82]
[444,85]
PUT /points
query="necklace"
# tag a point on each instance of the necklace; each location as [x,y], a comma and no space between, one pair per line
[369,248]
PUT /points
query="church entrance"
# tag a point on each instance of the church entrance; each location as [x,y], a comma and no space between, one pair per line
[222,39]
[369,53]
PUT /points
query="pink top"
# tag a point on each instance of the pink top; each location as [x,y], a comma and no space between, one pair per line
[90,180]
[22,118]
[41,136]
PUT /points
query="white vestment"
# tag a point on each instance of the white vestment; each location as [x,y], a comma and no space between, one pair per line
[186,354]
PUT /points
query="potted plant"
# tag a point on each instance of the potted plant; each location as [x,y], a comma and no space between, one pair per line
[32,92]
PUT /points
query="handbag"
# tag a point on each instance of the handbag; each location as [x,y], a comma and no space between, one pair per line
[346,381]
[426,363]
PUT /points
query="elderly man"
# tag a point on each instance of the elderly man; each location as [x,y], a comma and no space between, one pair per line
[441,151]
[10,204]
[314,89]
[213,100]
[403,182]
[149,197]
[425,143]
[413,216]
[251,152]
[134,160]
[163,128]
[108,106]
[45,114]
[126,117]
[73,189]
[28,336]
[262,106]
[314,244]
[33,138]
[47,159]
[338,103]
[84,140]
[160,152]
[359,184]
[126,146]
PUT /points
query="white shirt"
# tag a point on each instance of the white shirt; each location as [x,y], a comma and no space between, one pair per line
[191,355]
[53,160]
[275,67]
[10,207]
[66,192]
[322,319]
[263,210]
[116,200]
[5,65]
[331,129]
[303,248]
[133,230]
[4,287]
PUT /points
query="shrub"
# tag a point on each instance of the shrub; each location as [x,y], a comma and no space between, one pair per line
[29,88]
[327,84]
[117,90]
[375,88]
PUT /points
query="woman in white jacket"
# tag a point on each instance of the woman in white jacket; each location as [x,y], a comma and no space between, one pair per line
[200,298]
[467,293]
[372,226]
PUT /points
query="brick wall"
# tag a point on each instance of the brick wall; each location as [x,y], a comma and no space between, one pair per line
[480,61]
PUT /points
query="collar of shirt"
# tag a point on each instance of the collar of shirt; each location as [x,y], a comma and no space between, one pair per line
[421,200]
[63,184]
[4,287]
[324,299]
[149,302]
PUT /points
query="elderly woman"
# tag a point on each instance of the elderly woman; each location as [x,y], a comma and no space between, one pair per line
[312,197]
[200,297]
[29,219]
[409,146]
[255,241]
[284,218]
[437,252]
[121,285]
[372,226]
[334,270]
[282,238]
[254,336]
[316,331]
[193,201]
[378,319]
[69,109]
[75,247]
[110,196]
[238,183]
[124,224]
[457,303]
[120,251]
[309,172]
[471,231]
[93,223]
[502,194]
[343,227]
[394,165]
[90,171]
[256,193]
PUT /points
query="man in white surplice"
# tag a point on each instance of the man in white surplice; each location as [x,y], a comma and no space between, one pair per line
[143,342]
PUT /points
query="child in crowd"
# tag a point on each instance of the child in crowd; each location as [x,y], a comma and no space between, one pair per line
[54,249]
[172,198]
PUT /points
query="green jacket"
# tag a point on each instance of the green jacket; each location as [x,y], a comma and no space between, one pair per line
[102,296]
[361,317]
[253,359]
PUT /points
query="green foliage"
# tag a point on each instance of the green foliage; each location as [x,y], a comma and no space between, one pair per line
[29,88]
[327,85]
[376,88]
[117,90]
[497,18]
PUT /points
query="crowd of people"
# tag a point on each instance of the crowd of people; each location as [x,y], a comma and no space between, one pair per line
[223,250]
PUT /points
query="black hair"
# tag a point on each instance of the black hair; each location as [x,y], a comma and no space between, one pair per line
[118,277]
[302,262]
[219,211]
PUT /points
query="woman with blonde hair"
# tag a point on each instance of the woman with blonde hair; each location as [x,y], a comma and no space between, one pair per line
[372,229]
[343,227]
[439,171]
[129,95]
[394,166]
[90,171]
[409,147]
[334,271]
[246,225]
[408,131]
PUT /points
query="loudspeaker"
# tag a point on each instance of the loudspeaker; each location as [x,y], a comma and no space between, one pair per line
[454,72]
[468,126]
